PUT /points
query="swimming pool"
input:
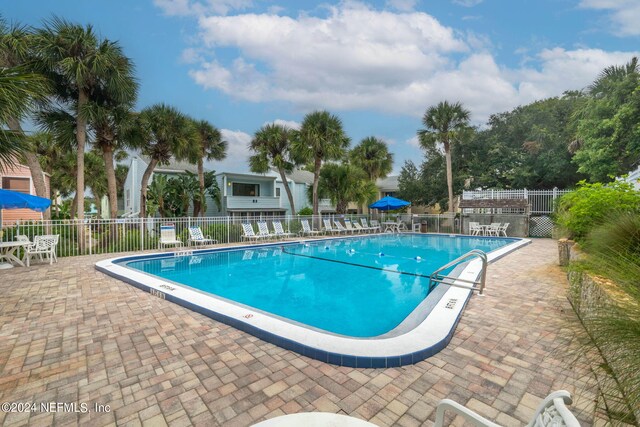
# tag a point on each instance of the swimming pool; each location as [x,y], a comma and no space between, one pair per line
[327,298]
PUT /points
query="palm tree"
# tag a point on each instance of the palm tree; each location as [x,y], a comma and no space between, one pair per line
[344,183]
[611,75]
[372,156]
[166,133]
[444,123]
[320,138]
[272,145]
[210,146]
[83,66]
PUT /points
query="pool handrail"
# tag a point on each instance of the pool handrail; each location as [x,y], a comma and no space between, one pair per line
[476,285]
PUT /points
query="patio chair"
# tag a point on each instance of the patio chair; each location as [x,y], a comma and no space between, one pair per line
[359,228]
[475,229]
[196,236]
[493,229]
[168,236]
[278,230]
[22,238]
[503,229]
[401,225]
[248,233]
[348,226]
[340,227]
[328,228]
[375,225]
[551,412]
[263,230]
[42,246]
[306,229]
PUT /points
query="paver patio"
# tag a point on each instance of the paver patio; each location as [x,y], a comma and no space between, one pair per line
[71,334]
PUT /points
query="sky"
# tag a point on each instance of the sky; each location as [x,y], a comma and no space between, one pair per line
[378,65]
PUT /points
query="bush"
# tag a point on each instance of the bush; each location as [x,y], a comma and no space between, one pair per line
[579,212]
[305,211]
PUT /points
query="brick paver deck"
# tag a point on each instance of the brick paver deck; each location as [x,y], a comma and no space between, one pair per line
[71,334]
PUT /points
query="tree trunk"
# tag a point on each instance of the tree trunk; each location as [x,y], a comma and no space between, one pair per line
[316,179]
[288,190]
[447,155]
[81,139]
[200,212]
[143,186]
[73,207]
[37,175]
[112,186]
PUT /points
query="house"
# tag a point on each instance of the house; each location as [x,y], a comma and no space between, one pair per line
[133,182]
[17,177]
[386,187]
[299,182]
[247,195]
[634,178]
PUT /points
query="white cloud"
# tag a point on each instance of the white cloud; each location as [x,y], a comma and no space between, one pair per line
[414,141]
[358,58]
[291,124]
[467,3]
[190,7]
[237,159]
[402,5]
[624,14]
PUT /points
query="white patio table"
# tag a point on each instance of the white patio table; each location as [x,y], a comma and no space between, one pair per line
[8,250]
[391,226]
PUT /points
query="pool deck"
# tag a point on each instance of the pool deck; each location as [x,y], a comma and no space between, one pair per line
[69,333]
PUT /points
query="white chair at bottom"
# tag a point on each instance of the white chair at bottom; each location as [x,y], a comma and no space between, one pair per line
[551,412]
[42,246]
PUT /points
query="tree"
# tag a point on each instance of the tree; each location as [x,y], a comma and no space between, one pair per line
[372,156]
[320,138]
[344,183]
[272,145]
[166,133]
[210,146]
[444,123]
[81,65]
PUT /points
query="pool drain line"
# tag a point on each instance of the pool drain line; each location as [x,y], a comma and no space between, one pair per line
[354,264]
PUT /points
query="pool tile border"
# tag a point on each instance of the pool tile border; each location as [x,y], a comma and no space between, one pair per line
[347,358]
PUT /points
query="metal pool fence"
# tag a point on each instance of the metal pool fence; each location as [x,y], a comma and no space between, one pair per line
[103,236]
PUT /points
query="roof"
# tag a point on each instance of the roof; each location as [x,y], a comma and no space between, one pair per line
[174,166]
[389,183]
[247,175]
[301,176]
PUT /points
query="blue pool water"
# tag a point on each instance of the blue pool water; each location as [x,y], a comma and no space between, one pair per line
[325,284]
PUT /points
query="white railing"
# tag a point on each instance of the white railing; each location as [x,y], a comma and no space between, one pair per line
[541,201]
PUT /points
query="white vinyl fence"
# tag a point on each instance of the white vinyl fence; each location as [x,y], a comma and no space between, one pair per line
[102,236]
[541,201]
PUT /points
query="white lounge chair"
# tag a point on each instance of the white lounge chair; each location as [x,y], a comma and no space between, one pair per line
[263,230]
[375,225]
[340,227]
[306,229]
[328,228]
[248,233]
[168,236]
[196,237]
[278,230]
[42,246]
[348,226]
[365,225]
[359,228]
[551,412]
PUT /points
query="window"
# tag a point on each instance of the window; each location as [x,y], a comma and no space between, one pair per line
[278,192]
[128,197]
[241,189]
[21,185]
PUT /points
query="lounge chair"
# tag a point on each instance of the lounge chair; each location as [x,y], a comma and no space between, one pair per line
[551,412]
[340,227]
[328,228]
[365,225]
[306,229]
[348,226]
[196,237]
[168,236]
[42,246]
[279,230]
[248,233]
[375,225]
[263,230]
[359,228]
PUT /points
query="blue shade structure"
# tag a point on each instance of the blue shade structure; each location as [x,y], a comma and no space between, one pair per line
[389,204]
[14,200]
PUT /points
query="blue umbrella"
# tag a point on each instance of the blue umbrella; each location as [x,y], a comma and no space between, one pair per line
[14,200]
[389,204]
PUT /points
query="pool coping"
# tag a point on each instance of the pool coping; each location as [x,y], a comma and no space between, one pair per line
[426,339]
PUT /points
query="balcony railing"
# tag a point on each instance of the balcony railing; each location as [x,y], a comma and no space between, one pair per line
[251,202]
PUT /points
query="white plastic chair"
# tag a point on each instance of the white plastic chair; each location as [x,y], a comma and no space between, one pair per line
[552,412]
[503,229]
[340,227]
[196,236]
[42,246]
[475,229]
[263,230]
[279,230]
[375,225]
[168,236]
[306,229]
[493,229]
[348,226]
[328,228]
[248,233]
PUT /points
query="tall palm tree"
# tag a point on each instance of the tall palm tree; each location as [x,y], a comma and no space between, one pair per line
[272,145]
[20,88]
[344,183]
[320,138]
[83,66]
[372,156]
[210,146]
[444,123]
[166,133]
[611,75]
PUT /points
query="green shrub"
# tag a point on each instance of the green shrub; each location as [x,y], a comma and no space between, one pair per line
[579,212]
[305,211]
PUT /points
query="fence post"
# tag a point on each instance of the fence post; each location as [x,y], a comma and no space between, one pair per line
[228,229]
[142,234]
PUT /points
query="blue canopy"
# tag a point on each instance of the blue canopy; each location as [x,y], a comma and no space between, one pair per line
[14,200]
[389,204]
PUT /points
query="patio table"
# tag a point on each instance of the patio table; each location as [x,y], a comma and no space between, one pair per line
[391,226]
[8,250]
